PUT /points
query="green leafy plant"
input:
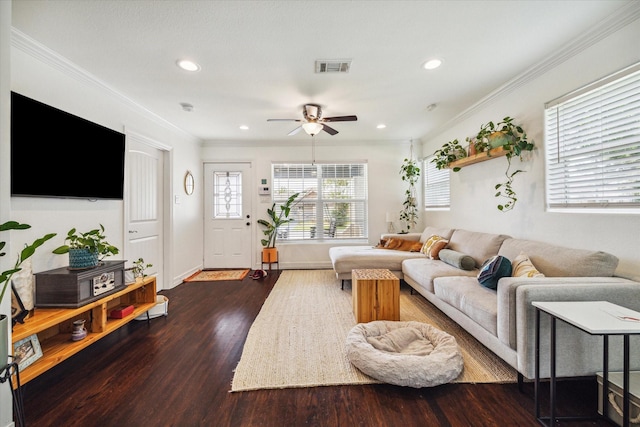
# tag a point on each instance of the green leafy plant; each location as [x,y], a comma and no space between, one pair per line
[449,152]
[277,218]
[93,240]
[25,253]
[410,173]
[514,141]
[139,268]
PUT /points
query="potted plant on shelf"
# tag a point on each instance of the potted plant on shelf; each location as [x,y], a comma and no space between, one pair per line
[5,278]
[410,173]
[87,249]
[513,140]
[277,218]
[449,152]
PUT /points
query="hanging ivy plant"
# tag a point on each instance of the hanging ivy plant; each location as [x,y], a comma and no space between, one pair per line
[449,152]
[410,173]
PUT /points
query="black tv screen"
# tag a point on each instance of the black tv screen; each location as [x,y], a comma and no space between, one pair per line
[57,154]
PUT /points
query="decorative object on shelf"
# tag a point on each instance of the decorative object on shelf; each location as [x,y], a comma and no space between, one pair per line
[5,278]
[79,331]
[390,227]
[139,267]
[189,183]
[449,152]
[24,284]
[410,172]
[87,249]
[271,226]
[18,312]
[26,351]
[493,140]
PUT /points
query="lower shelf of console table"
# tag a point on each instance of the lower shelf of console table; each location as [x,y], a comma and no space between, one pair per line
[53,326]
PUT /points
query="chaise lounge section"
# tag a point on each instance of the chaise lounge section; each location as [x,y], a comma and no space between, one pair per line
[503,319]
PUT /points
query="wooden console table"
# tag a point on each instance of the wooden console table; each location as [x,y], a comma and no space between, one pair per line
[53,326]
[375,294]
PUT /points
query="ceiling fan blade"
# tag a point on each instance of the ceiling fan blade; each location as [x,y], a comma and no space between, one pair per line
[296,130]
[329,130]
[284,120]
[340,119]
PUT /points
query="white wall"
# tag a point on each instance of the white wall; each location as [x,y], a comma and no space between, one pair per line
[386,188]
[473,205]
[48,78]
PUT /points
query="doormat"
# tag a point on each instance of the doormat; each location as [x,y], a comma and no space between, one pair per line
[217,275]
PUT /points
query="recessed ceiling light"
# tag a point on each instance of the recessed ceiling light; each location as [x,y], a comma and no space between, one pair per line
[187,65]
[381,126]
[244,127]
[432,64]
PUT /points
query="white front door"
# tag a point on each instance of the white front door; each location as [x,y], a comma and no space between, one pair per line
[227,215]
[144,207]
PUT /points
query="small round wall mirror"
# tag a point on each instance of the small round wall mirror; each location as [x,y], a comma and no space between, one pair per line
[188,183]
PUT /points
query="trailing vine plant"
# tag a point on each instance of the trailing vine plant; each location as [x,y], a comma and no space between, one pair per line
[449,152]
[410,172]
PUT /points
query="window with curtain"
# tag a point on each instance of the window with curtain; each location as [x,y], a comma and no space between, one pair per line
[593,145]
[332,203]
[436,186]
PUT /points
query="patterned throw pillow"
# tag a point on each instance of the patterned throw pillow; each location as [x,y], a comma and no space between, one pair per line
[493,270]
[523,267]
[433,245]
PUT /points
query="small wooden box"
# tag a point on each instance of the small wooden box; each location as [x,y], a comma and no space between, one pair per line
[376,295]
[63,287]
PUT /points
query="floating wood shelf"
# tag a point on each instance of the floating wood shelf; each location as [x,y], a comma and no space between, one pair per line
[480,157]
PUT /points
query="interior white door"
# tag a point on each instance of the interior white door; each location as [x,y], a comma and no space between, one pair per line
[144,207]
[227,220]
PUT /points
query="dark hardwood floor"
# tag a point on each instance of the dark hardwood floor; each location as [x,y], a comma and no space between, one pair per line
[177,371]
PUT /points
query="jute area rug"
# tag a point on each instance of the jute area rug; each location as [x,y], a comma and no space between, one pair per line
[298,338]
[217,275]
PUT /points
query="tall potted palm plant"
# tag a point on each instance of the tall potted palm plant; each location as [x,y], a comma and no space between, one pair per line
[277,218]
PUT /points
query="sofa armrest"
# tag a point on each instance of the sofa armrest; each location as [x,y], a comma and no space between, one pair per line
[581,353]
[407,236]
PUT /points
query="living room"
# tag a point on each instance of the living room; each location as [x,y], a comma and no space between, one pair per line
[28,66]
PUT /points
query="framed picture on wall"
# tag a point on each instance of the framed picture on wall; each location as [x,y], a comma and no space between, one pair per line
[26,351]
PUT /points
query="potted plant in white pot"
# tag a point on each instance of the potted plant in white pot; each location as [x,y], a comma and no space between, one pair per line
[87,249]
[276,220]
[5,279]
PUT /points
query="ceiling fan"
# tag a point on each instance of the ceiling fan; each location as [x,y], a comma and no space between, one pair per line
[313,121]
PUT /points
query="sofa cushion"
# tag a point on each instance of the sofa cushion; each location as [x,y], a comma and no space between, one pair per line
[477,302]
[558,261]
[479,246]
[424,270]
[433,245]
[435,231]
[346,258]
[457,259]
[494,269]
[523,267]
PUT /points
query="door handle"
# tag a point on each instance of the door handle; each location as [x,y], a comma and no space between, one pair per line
[133,231]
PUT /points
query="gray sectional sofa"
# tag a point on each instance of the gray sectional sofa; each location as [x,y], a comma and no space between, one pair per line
[503,319]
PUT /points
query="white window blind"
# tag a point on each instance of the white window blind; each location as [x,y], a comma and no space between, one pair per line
[593,145]
[332,202]
[436,186]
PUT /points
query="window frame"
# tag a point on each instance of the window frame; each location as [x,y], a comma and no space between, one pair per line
[441,182]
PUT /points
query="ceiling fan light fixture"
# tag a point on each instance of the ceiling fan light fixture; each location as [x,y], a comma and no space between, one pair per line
[312,128]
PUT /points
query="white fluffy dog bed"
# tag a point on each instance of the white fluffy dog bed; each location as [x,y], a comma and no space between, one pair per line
[412,354]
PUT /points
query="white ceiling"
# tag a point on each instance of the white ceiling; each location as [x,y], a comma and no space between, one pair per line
[257,57]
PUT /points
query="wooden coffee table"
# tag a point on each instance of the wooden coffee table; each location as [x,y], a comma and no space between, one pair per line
[376,295]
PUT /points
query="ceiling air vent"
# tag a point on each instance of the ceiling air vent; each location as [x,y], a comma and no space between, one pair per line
[333,66]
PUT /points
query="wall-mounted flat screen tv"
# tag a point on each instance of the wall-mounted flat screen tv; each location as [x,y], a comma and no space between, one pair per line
[57,154]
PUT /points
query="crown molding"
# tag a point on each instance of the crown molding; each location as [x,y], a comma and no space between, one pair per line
[611,24]
[40,52]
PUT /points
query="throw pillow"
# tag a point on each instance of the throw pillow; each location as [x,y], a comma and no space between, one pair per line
[493,270]
[457,259]
[433,245]
[523,267]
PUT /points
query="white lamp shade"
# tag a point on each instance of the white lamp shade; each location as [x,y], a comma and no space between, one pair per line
[312,128]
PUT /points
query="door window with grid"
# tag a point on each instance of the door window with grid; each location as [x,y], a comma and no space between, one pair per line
[593,145]
[332,201]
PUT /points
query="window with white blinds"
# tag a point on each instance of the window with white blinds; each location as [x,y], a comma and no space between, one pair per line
[332,203]
[436,186]
[593,145]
